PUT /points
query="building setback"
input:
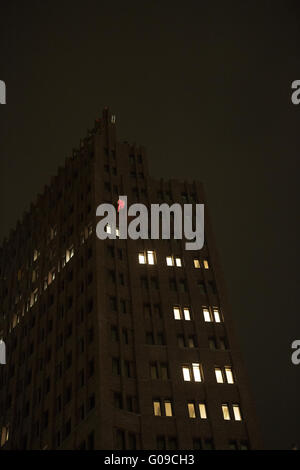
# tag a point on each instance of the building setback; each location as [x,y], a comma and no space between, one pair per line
[116,344]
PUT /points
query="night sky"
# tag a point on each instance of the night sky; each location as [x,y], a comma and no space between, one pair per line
[206,88]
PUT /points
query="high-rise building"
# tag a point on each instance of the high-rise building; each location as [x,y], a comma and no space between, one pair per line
[115,344]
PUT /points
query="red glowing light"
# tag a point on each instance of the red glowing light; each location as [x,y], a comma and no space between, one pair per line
[121,204]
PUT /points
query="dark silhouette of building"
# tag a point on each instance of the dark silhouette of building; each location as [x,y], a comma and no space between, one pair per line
[115,344]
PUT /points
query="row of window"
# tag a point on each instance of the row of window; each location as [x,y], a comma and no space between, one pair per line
[210,314]
[190,372]
[149,257]
[127,440]
[159,339]
[194,373]
[174,285]
[164,407]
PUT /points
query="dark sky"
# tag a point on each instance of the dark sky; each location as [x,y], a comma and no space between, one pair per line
[206,87]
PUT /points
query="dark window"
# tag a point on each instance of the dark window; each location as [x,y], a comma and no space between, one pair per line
[197,444]
[180,341]
[161,443]
[161,339]
[113,303]
[192,341]
[118,402]
[147,311]
[91,441]
[115,366]
[81,378]
[182,285]
[125,336]
[45,419]
[68,394]
[123,306]
[223,343]
[164,371]
[131,441]
[153,371]
[91,367]
[154,283]
[201,286]
[208,444]
[149,338]
[111,251]
[173,443]
[120,440]
[91,402]
[68,428]
[114,333]
[157,310]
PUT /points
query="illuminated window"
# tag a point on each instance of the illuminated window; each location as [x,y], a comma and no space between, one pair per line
[225,411]
[177,313]
[186,374]
[186,312]
[237,413]
[192,373]
[142,258]
[219,375]
[147,258]
[205,264]
[206,314]
[36,254]
[169,261]
[150,256]
[196,263]
[217,315]
[191,410]
[196,372]
[51,276]
[108,229]
[229,375]
[202,411]
[69,253]
[34,297]
[15,320]
[4,435]
[168,408]
[156,408]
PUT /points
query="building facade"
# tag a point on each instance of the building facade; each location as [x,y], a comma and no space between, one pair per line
[116,344]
